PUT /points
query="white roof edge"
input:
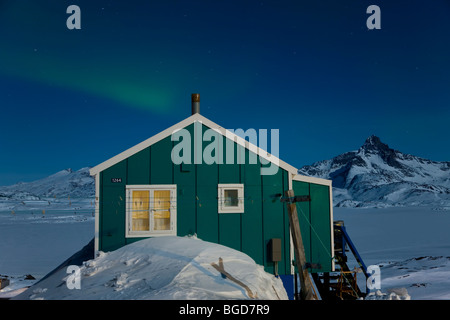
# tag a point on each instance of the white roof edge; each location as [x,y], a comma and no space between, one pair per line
[141,146]
[182,124]
[244,143]
[299,177]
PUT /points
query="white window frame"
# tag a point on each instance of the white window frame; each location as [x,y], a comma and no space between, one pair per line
[221,197]
[129,233]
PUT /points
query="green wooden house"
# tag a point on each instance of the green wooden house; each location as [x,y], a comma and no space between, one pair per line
[145,192]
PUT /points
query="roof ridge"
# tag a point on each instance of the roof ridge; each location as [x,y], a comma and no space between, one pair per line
[182,124]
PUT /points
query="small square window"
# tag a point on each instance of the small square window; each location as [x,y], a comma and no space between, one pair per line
[231,198]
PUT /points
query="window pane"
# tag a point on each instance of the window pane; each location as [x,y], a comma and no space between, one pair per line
[140,215]
[161,206]
[231,198]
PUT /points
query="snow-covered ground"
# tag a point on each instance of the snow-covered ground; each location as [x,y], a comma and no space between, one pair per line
[411,245]
[35,242]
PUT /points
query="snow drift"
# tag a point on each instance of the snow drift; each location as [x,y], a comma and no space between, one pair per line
[163,268]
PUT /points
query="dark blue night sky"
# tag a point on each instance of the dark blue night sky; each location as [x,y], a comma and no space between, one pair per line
[312,69]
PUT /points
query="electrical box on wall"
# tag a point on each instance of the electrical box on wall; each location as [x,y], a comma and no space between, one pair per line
[275,249]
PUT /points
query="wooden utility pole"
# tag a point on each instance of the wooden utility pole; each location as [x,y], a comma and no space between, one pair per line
[306,285]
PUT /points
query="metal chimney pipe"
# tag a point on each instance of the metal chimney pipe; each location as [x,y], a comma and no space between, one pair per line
[195,97]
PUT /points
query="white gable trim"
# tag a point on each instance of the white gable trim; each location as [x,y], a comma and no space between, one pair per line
[299,177]
[97,216]
[182,124]
[141,146]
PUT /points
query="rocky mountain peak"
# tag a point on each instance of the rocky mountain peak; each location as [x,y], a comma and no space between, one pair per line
[373,143]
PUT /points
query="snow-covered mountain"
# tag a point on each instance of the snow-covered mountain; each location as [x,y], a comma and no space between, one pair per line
[376,176]
[65,183]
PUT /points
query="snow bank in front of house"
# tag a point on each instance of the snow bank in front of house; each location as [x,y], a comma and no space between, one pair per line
[166,268]
[392,294]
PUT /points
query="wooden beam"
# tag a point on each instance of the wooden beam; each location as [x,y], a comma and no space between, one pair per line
[306,285]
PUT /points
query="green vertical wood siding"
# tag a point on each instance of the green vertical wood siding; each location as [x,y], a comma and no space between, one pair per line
[184,176]
[320,220]
[230,223]
[252,222]
[206,200]
[112,220]
[161,166]
[314,219]
[273,217]
[138,168]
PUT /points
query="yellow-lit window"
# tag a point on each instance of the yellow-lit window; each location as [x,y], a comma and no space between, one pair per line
[140,215]
[161,207]
[151,210]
